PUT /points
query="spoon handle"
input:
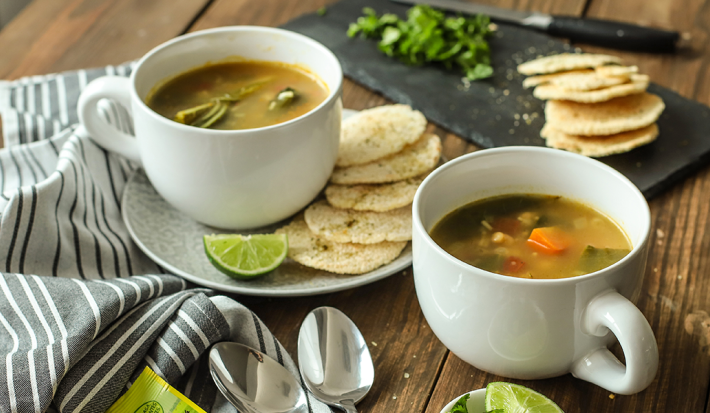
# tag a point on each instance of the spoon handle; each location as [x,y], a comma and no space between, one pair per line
[348,406]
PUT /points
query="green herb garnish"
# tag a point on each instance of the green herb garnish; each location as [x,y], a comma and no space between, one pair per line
[322,11]
[460,406]
[428,36]
[207,114]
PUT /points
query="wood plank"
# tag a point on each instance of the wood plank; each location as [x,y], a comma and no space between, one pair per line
[55,35]
[569,8]
[400,341]
[270,13]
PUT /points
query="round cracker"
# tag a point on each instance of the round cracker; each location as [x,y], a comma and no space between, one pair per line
[375,133]
[616,70]
[605,118]
[362,227]
[566,61]
[533,81]
[598,146]
[587,81]
[382,197]
[413,160]
[313,251]
[638,84]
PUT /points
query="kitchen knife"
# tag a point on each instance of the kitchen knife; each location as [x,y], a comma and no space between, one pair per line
[590,31]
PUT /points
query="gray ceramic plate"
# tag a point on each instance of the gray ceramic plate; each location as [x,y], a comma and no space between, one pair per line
[174,242]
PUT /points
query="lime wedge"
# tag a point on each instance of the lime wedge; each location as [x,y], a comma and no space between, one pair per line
[514,398]
[246,256]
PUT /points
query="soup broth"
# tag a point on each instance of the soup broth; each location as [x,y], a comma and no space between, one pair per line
[532,236]
[238,95]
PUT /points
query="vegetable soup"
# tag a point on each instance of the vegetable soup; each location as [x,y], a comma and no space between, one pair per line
[238,95]
[532,236]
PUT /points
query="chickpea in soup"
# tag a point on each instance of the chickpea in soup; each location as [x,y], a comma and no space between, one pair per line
[238,95]
[532,236]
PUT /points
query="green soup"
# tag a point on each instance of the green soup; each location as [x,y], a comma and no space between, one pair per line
[238,95]
[532,236]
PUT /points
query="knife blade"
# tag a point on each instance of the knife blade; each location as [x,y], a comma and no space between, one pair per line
[598,32]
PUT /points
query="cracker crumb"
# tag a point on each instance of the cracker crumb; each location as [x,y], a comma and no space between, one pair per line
[374,344]
[612,396]
[394,397]
[660,233]
[406,375]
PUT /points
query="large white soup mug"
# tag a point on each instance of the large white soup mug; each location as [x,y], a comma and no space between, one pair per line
[233,179]
[533,328]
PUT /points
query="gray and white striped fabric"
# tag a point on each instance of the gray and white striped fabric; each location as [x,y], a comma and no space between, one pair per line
[82,310]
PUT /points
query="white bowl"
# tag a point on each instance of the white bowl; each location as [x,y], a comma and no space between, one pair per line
[232,179]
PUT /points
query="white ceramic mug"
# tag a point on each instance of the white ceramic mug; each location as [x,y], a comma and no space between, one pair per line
[534,329]
[234,179]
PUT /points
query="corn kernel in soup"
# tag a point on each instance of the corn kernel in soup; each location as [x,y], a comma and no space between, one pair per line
[238,95]
[532,236]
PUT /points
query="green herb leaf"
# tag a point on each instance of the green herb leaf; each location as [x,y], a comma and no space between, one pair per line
[594,259]
[187,116]
[322,11]
[428,36]
[460,405]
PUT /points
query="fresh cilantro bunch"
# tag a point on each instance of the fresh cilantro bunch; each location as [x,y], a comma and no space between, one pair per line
[428,36]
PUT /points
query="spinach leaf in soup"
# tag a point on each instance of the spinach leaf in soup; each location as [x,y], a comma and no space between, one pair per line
[490,262]
[595,259]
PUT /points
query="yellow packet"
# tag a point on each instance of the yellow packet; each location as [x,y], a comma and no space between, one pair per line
[151,394]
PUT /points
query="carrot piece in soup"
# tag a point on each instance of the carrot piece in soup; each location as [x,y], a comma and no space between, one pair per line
[549,240]
[513,265]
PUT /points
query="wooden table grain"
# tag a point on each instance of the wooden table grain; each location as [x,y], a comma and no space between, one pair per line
[415,373]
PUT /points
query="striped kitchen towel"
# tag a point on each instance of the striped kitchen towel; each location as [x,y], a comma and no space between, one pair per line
[82,309]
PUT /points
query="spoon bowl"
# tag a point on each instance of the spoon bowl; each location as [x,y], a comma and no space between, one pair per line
[334,359]
[254,382]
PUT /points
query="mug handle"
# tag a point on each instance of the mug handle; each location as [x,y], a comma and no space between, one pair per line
[612,311]
[107,87]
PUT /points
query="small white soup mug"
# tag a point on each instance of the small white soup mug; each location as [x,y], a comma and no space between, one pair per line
[236,179]
[534,329]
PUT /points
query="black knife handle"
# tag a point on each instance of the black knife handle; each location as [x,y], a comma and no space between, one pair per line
[613,34]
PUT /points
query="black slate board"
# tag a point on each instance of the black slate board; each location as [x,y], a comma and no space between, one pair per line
[487,112]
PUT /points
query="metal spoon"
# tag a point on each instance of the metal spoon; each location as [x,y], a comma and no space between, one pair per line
[254,382]
[334,359]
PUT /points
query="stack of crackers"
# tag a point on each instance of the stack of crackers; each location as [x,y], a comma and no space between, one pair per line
[366,219]
[596,106]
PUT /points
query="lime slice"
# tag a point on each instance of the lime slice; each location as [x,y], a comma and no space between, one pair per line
[514,398]
[246,256]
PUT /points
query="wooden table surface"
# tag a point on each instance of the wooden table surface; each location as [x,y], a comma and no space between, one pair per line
[414,371]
